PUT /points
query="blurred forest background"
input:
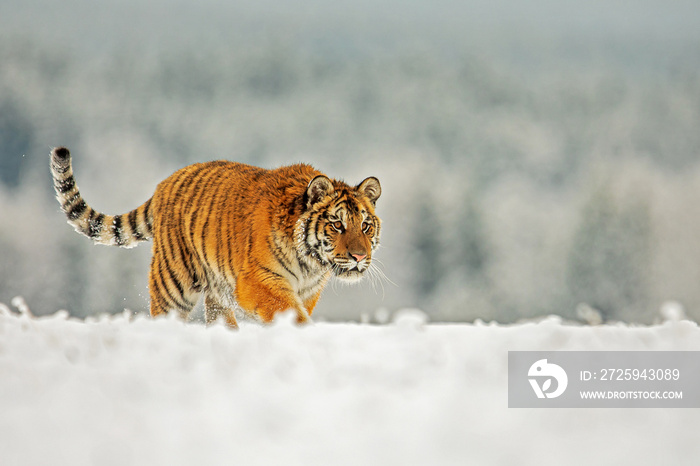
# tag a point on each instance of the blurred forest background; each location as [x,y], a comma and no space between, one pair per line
[535,157]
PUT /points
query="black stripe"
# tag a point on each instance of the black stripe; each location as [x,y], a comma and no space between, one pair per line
[91,220]
[60,167]
[193,177]
[95,224]
[177,284]
[249,246]
[317,230]
[183,257]
[212,184]
[312,286]
[340,205]
[117,230]
[231,238]
[164,292]
[179,247]
[195,214]
[205,227]
[279,256]
[227,267]
[220,198]
[69,201]
[194,194]
[147,217]
[307,228]
[64,186]
[76,210]
[220,264]
[292,208]
[186,259]
[181,302]
[219,247]
[268,270]
[280,261]
[304,267]
[134,225]
[353,206]
[167,255]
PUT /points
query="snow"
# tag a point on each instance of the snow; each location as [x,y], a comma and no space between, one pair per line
[124,390]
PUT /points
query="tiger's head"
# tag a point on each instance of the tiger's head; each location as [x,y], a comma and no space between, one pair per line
[341,230]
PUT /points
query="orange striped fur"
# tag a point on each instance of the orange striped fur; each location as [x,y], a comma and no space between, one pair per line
[262,241]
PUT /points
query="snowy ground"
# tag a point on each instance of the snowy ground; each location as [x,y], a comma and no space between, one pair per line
[121,391]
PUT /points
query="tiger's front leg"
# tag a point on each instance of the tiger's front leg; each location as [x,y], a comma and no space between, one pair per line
[267,294]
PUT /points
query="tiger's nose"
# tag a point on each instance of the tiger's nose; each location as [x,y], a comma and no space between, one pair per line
[358,257]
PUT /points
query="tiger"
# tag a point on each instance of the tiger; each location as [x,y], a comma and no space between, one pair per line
[257,240]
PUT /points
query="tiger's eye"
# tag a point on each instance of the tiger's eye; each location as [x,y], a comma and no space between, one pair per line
[366,226]
[338,225]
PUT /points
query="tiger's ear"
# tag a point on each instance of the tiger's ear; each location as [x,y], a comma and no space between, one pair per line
[371,188]
[317,189]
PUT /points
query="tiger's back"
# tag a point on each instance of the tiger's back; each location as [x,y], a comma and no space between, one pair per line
[212,221]
[263,241]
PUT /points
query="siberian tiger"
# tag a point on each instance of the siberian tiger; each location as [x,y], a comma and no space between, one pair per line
[263,240]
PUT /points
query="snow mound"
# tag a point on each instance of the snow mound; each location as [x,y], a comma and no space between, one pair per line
[121,390]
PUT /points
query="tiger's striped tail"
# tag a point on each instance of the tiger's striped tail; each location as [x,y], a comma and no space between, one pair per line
[126,230]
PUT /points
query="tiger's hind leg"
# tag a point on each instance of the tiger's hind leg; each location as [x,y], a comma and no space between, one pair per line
[213,309]
[170,291]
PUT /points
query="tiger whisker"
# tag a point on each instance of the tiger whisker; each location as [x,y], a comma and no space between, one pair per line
[378,270]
